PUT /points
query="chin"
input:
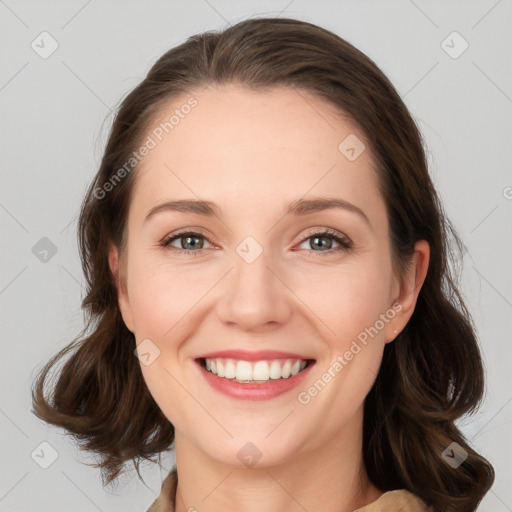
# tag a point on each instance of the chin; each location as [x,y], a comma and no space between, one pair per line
[254,451]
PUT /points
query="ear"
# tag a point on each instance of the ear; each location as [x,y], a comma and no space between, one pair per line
[409,287]
[118,272]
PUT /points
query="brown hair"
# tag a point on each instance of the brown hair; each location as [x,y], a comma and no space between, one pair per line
[431,374]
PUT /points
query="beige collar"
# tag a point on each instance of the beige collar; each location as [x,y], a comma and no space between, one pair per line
[391,501]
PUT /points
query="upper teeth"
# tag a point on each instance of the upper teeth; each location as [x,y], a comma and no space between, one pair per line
[255,370]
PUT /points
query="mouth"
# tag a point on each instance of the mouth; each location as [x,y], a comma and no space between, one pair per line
[254,372]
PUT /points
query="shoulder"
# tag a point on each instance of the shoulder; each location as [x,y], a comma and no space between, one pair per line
[391,501]
[165,502]
[394,501]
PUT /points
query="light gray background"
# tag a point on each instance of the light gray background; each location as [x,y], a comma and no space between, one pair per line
[53,133]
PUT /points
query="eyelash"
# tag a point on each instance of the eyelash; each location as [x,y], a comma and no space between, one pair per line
[345,243]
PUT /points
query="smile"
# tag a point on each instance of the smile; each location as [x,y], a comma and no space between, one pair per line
[253,376]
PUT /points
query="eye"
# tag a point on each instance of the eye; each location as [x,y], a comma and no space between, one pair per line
[188,242]
[192,243]
[323,241]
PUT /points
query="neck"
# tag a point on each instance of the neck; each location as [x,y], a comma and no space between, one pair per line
[330,478]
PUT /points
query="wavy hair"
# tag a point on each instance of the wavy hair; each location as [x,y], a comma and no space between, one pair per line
[430,376]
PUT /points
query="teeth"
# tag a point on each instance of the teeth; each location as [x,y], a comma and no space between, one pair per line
[256,371]
[243,371]
[261,371]
[275,370]
[287,370]
[295,368]
[230,370]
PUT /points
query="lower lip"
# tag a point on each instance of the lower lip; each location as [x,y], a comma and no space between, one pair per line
[242,391]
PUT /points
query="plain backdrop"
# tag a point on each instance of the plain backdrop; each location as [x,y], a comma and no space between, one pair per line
[65,64]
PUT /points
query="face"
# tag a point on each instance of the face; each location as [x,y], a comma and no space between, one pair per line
[260,275]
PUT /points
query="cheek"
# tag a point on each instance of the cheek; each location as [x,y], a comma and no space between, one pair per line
[163,382]
[161,295]
[347,299]
[351,306]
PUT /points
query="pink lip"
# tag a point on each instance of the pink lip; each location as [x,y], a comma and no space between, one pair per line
[246,355]
[243,391]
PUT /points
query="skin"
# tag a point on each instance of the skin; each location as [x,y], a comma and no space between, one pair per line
[253,153]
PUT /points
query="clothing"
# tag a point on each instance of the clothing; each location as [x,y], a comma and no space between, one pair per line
[391,501]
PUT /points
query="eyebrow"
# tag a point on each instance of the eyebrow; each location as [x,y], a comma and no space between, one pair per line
[296,208]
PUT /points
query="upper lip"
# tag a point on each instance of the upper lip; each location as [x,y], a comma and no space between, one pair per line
[247,355]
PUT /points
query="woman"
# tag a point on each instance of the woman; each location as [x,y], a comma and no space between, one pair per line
[264,234]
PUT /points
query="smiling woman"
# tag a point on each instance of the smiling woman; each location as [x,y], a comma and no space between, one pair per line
[278,264]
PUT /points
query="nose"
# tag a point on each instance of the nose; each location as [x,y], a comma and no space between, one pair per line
[254,297]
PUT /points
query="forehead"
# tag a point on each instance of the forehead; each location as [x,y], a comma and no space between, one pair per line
[237,145]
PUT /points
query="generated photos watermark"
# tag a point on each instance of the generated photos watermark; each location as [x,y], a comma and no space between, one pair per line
[151,142]
[342,360]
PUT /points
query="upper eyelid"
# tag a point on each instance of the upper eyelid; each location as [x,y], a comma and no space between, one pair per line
[323,231]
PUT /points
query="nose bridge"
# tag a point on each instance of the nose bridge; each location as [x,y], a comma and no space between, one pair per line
[253,296]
